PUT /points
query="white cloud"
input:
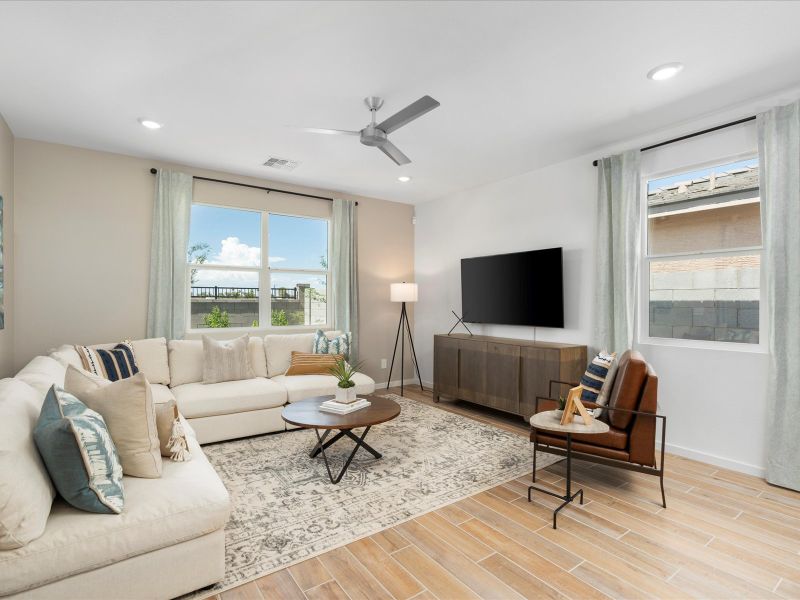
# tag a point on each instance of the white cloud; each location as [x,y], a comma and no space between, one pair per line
[276,259]
[234,252]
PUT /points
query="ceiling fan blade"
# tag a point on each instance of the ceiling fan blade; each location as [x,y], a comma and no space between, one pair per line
[329,131]
[408,114]
[393,152]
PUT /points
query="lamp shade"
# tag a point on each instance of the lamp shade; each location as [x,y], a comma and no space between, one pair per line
[404,292]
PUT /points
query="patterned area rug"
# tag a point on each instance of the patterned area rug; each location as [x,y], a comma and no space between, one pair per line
[286,510]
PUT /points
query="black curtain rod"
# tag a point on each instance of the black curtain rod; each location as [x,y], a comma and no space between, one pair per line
[256,187]
[691,135]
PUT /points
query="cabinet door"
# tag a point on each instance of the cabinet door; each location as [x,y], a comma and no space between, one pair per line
[539,367]
[502,377]
[445,366]
[471,370]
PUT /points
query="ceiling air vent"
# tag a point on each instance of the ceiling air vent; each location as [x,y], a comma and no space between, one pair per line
[282,164]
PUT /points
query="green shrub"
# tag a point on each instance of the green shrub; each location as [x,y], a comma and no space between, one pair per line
[217,318]
[279,318]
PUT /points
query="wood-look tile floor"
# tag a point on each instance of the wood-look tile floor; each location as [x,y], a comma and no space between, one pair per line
[723,535]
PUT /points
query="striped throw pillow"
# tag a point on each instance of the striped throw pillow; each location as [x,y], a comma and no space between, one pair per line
[595,376]
[307,363]
[113,364]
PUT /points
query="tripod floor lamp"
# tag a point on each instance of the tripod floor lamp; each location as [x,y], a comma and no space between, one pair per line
[404,292]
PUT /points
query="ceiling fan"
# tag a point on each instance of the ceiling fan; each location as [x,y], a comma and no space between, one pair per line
[375,134]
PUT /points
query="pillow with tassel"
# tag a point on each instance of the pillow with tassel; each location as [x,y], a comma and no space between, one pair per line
[171,434]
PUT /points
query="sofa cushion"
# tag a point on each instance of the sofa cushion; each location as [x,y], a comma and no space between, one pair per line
[300,387]
[151,358]
[42,372]
[188,502]
[80,457]
[627,390]
[26,492]
[66,355]
[186,360]
[209,399]
[278,349]
[161,393]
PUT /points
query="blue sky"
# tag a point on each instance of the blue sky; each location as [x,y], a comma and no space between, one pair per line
[294,242]
[664,181]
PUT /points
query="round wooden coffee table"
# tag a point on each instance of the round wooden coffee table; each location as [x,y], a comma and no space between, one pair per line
[551,421]
[306,414]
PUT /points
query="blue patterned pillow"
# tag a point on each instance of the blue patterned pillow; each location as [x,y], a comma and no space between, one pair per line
[113,364]
[79,455]
[595,376]
[338,345]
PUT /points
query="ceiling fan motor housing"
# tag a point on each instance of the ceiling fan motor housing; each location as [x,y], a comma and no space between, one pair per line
[372,136]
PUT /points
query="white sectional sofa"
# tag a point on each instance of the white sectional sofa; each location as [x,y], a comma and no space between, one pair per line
[170,539]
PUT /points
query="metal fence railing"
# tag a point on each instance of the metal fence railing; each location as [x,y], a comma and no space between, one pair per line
[218,291]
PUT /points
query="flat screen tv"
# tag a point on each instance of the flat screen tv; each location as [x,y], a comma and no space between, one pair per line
[523,288]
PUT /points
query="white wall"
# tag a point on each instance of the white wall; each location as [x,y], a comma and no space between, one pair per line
[714,399]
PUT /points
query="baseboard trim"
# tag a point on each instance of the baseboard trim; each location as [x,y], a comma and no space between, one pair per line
[396,383]
[718,461]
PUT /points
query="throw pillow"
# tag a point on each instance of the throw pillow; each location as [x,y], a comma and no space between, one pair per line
[79,454]
[338,345]
[26,492]
[127,407]
[304,363]
[113,364]
[226,360]
[171,436]
[595,377]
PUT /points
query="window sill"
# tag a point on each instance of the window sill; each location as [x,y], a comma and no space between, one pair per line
[286,329]
[759,348]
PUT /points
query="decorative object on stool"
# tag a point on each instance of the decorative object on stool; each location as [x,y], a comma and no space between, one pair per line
[459,320]
[574,406]
[404,292]
[346,387]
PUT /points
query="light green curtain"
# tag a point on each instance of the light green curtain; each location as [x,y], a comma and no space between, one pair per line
[617,250]
[169,279]
[345,271]
[779,157]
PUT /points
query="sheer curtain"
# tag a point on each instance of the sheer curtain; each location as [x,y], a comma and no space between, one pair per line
[345,271]
[617,250]
[169,279]
[779,155]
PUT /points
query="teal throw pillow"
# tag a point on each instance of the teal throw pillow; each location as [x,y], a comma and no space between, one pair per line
[79,455]
[338,345]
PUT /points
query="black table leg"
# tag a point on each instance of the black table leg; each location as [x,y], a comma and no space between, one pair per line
[321,445]
[568,496]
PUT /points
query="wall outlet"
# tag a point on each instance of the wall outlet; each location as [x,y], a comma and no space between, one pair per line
[383,363]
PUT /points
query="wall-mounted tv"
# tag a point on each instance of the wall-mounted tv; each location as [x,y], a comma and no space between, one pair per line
[523,288]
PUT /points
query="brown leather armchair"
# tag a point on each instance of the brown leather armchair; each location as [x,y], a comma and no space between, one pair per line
[630,442]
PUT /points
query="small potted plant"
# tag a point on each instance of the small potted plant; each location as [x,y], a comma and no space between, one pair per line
[346,387]
[562,402]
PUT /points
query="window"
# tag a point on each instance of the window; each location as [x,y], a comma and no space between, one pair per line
[235,284]
[703,258]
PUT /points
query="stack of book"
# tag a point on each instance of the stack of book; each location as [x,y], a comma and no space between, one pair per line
[338,408]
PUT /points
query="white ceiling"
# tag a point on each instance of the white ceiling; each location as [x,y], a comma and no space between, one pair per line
[521,85]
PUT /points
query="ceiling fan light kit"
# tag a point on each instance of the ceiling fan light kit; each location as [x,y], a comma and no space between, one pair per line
[376,134]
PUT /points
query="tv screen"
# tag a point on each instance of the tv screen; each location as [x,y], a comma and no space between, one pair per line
[523,288]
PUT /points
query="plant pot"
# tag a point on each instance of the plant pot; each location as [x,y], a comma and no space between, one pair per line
[346,395]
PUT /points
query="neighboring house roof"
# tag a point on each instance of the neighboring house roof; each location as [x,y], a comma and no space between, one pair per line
[734,184]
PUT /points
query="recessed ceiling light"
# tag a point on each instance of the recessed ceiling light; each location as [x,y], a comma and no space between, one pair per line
[150,124]
[404,179]
[667,71]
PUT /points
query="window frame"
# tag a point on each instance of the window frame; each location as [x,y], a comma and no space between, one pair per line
[643,303]
[265,278]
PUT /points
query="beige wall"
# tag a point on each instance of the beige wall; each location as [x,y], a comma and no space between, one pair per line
[83,227]
[7,192]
